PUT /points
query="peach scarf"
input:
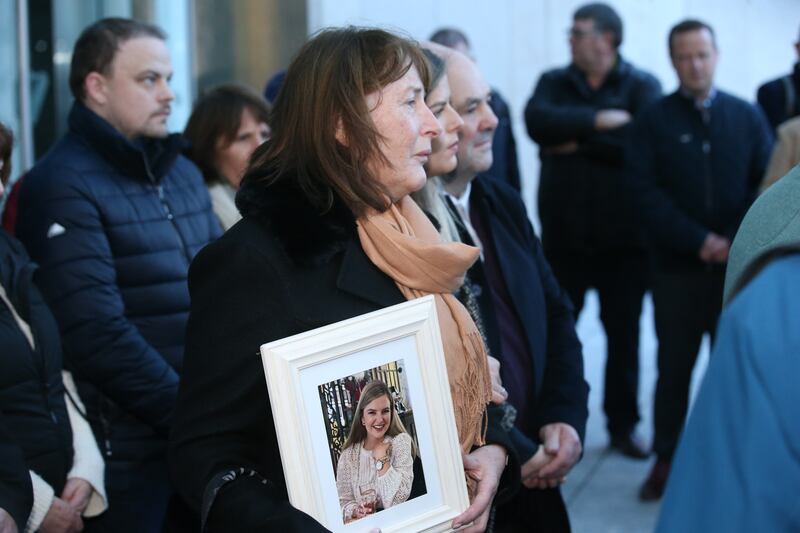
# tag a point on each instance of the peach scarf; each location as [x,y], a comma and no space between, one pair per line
[405,245]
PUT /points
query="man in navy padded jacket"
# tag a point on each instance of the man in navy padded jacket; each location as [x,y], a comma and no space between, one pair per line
[114,214]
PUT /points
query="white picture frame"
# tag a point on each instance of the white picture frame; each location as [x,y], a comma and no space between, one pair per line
[295,367]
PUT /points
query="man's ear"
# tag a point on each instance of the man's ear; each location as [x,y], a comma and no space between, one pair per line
[94,88]
[608,37]
[341,134]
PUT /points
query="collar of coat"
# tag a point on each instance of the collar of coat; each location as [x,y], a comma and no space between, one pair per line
[308,235]
[148,159]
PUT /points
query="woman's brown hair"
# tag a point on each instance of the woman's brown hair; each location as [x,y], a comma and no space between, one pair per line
[217,116]
[326,88]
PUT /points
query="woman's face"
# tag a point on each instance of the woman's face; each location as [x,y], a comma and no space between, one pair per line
[407,126]
[376,417]
[445,146]
[231,159]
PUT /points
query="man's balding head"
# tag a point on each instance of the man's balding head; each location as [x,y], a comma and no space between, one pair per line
[470,97]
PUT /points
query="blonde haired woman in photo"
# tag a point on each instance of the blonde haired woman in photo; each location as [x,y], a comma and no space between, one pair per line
[375,469]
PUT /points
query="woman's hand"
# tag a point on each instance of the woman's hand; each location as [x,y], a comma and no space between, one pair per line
[7,524]
[530,470]
[485,465]
[563,449]
[77,492]
[362,510]
[61,518]
[499,393]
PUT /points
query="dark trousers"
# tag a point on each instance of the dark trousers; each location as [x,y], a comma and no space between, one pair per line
[621,279]
[534,511]
[687,305]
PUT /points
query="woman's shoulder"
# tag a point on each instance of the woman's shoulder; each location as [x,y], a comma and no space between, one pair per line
[350,454]
[250,236]
[401,439]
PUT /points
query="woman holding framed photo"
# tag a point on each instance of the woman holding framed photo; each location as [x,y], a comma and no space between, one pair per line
[328,233]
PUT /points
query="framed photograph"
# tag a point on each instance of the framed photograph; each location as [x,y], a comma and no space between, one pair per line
[365,422]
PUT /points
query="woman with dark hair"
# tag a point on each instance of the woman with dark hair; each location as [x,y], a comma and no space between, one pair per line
[375,469]
[329,232]
[227,124]
[41,416]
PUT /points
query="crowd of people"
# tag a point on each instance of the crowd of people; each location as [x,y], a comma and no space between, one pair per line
[146,269]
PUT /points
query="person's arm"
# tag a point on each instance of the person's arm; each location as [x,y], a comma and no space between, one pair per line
[77,275]
[565,393]
[87,463]
[668,225]
[394,485]
[551,124]
[16,492]
[485,466]
[609,146]
[344,486]
[223,448]
[49,512]
[7,522]
[499,433]
[43,498]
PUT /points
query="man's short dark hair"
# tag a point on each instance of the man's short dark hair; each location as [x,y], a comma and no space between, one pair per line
[690,25]
[604,17]
[449,37]
[98,44]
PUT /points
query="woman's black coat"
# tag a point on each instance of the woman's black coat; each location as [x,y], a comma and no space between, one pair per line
[35,432]
[282,270]
[31,388]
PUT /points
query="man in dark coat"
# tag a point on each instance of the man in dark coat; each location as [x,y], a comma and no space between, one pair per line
[696,159]
[114,214]
[527,317]
[780,98]
[580,116]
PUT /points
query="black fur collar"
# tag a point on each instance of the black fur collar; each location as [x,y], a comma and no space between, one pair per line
[308,236]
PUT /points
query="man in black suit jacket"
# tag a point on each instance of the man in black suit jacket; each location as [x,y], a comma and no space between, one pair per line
[528,317]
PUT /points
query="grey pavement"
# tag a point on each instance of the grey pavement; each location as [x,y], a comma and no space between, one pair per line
[601,491]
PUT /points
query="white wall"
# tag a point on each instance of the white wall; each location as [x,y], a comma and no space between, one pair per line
[516,40]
